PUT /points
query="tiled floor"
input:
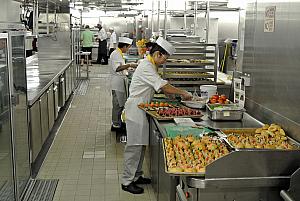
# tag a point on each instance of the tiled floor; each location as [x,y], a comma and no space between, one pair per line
[85,156]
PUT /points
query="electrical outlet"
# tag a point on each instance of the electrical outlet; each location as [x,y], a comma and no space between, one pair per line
[246,78]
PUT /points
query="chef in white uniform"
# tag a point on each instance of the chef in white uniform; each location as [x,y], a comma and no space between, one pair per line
[118,72]
[112,40]
[145,82]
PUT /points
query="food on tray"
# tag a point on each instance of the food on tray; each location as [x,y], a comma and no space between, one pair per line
[222,99]
[192,154]
[167,112]
[164,109]
[268,137]
[155,105]
[187,61]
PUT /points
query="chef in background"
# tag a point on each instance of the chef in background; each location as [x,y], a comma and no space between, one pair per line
[119,71]
[144,83]
[112,40]
[102,48]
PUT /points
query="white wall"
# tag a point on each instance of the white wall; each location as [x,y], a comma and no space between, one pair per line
[9,11]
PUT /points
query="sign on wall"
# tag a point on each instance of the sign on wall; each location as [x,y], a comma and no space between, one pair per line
[269,22]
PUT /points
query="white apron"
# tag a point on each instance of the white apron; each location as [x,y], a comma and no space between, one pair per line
[145,82]
[118,79]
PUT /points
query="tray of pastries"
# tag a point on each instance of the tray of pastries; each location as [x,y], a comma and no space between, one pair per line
[189,155]
[267,137]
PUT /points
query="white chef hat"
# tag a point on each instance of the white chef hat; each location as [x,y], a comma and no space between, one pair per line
[125,40]
[165,45]
[111,28]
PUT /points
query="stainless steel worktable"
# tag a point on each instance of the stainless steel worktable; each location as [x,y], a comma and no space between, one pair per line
[241,175]
[40,75]
[247,122]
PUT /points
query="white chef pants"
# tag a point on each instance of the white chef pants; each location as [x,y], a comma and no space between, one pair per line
[118,101]
[133,163]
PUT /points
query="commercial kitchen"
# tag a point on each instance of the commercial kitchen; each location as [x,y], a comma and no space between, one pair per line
[238,139]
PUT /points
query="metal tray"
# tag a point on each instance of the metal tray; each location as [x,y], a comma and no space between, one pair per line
[225,114]
[251,131]
[154,114]
[198,174]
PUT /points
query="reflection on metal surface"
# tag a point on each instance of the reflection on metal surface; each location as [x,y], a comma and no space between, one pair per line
[273,60]
[19,115]
[6,178]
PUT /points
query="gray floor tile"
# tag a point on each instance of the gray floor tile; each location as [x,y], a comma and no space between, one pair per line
[85,156]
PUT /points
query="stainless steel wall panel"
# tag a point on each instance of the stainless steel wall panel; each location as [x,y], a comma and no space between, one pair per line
[273,61]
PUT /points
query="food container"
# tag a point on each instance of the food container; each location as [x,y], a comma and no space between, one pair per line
[230,112]
[195,104]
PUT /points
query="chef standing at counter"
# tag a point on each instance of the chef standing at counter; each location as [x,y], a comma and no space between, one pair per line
[145,82]
[118,70]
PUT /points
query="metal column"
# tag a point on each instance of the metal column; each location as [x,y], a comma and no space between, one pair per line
[207,20]
[165,20]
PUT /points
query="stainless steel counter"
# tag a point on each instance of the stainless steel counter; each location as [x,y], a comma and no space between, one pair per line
[247,122]
[241,175]
[41,74]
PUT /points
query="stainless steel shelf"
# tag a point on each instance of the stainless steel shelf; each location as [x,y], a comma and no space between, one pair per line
[191,52]
[200,82]
[170,64]
[198,70]
[185,76]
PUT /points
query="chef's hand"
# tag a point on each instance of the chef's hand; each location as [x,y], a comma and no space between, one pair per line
[187,96]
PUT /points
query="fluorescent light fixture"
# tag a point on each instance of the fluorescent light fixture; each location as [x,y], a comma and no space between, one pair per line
[237,4]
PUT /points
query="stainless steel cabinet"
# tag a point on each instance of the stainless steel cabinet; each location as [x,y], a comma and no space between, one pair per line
[67,83]
[50,97]
[44,116]
[35,129]
[154,156]
[163,184]
[55,94]
[61,91]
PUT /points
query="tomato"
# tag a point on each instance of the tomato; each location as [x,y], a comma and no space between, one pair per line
[215,97]
[213,101]
[156,104]
[221,101]
[161,104]
[146,105]
[152,104]
[223,97]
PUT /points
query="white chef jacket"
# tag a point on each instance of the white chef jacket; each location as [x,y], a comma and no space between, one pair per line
[145,82]
[102,35]
[112,40]
[118,78]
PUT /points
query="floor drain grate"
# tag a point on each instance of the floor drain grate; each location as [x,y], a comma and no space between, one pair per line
[42,190]
[7,192]
[82,87]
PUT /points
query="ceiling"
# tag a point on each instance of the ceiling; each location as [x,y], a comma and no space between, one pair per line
[62,6]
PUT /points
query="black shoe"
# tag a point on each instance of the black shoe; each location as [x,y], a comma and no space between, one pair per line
[115,128]
[142,180]
[132,188]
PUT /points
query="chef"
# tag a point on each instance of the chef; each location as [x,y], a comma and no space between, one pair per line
[118,71]
[145,82]
[112,40]
[102,48]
